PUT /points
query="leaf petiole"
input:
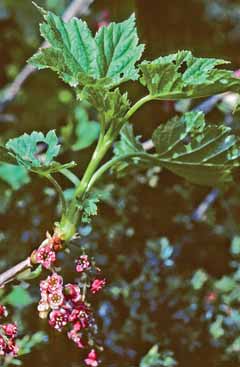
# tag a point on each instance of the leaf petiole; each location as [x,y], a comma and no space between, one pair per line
[59,191]
[109,165]
[137,105]
[71,176]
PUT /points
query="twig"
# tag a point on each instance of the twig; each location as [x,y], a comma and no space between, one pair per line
[207,105]
[6,118]
[75,8]
[199,212]
[11,273]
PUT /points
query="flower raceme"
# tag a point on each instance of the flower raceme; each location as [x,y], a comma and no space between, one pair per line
[65,305]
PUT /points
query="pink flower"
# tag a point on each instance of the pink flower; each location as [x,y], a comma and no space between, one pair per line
[58,319]
[91,359]
[72,292]
[77,326]
[80,314]
[76,338]
[3,311]
[11,347]
[97,285]
[82,264]
[10,330]
[80,318]
[45,256]
[55,300]
[55,282]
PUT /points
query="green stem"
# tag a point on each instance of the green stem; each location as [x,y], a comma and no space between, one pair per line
[138,104]
[97,156]
[107,166]
[102,147]
[71,176]
[59,191]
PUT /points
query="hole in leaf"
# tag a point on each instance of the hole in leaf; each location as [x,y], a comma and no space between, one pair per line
[183,67]
[41,149]
[121,75]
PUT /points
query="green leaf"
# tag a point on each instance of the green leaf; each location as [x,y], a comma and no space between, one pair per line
[118,51]
[80,59]
[111,106]
[198,279]
[226,284]
[129,143]
[73,49]
[235,346]
[28,342]
[80,133]
[89,206]
[131,151]
[14,176]
[27,150]
[30,274]
[203,154]
[182,75]
[86,131]
[154,358]
[18,297]
[216,329]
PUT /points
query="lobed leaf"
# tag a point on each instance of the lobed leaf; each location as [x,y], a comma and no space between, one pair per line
[181,75]
[118,51]
[27,149]
[36,152]
[73,49]
[89,206]
[203,154]
[81,59]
